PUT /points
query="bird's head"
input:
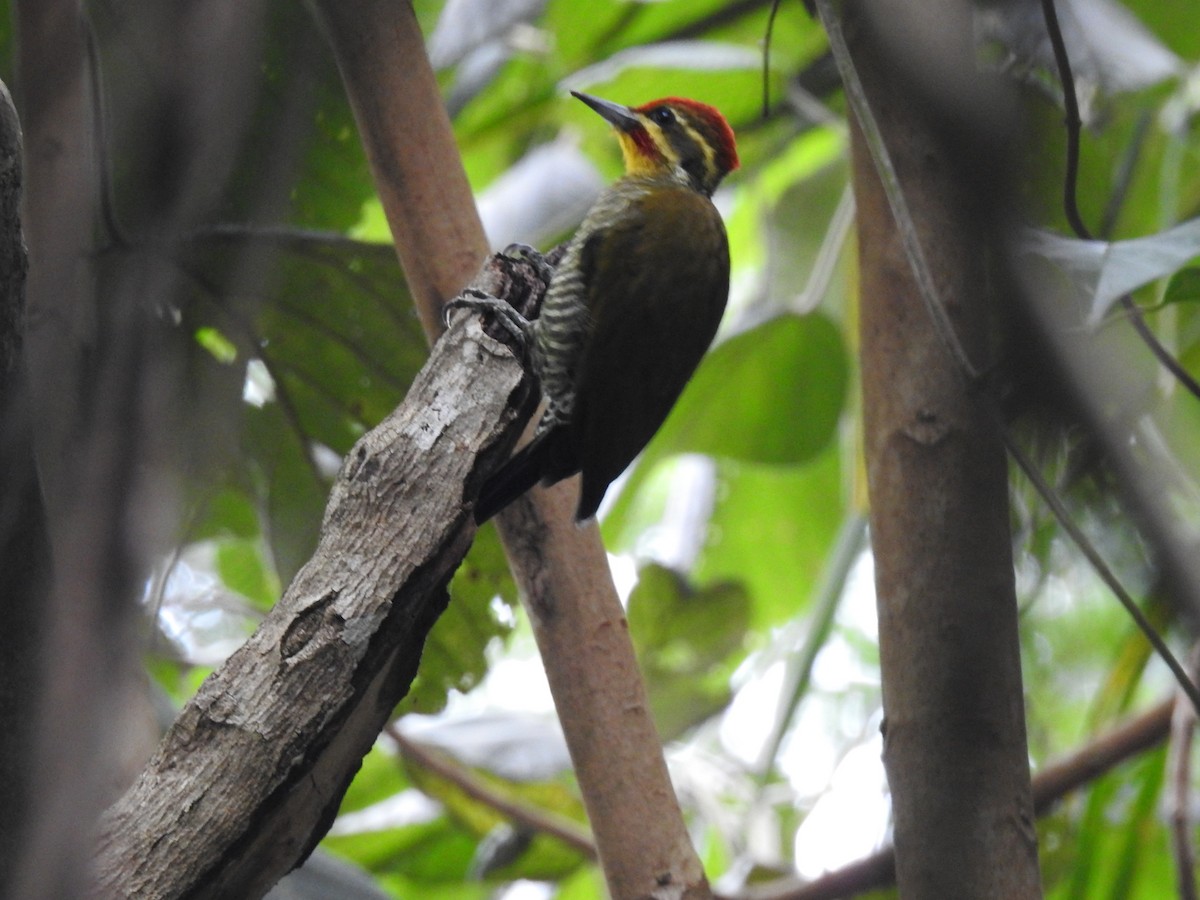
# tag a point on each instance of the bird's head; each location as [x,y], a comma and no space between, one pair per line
[686,139]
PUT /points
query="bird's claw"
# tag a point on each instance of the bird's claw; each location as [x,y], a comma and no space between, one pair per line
[519,252]
[481,302]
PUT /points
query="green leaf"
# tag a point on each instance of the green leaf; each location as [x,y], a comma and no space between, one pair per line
[228,512]
[1101,272]
[455,654]
[585,884]
[340,336]
[544,857]
[302,117]
[1184,286]
[290,494]
[688,643]
[1136,840]
[1117,845]
[380,777]
[771,528]
[222,349]
[341,345]
[402,888]
[773,394]
[243,567]
[434,852]
[682,628]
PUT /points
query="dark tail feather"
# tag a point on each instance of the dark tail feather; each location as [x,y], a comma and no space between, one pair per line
[590,495]
[526,468]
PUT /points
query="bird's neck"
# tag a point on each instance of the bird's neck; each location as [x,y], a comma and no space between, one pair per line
[661,176]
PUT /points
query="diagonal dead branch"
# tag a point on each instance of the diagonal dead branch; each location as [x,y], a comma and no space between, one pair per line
[251,774]
[519,812]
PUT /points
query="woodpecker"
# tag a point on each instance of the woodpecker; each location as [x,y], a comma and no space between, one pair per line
[632,306]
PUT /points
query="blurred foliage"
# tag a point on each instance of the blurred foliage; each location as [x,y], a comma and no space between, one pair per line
[687,643]
[761,454]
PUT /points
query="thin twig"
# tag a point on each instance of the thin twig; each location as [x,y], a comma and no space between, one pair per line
[1073,123]
[905,226]
[1051,498]
[1071,193]
[1179,771]
[1101,755]
[1161,353]
[766,56]
[945,329]
[532,817]
[106,202]
[1094,759]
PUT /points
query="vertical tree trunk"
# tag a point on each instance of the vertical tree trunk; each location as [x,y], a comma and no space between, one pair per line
[81,644]
[24,547]
[955,747]
[105,370]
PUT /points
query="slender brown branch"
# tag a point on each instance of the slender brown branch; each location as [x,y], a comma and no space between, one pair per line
[1100,755]
[1161,353]
[1050,785]
[766,59]
[1179,773]
[1072,120]
[561,569]
[531,817]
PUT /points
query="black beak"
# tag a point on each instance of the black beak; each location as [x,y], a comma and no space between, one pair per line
[619,116]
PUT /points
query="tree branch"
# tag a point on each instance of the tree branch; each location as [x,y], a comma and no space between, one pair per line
[954,735]
[524,814]
[1050,785]
[561,569]
[251,774]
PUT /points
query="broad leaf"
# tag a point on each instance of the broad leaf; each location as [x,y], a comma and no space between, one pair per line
[1101,272]
[688,641]
[773,394]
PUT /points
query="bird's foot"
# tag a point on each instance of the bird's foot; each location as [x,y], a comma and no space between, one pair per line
[524,253]
[508,318]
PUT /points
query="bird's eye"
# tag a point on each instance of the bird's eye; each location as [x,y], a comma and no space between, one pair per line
[662,115]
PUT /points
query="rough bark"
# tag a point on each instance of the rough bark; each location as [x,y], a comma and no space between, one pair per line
[250,776]
[562,569]
[955,748]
